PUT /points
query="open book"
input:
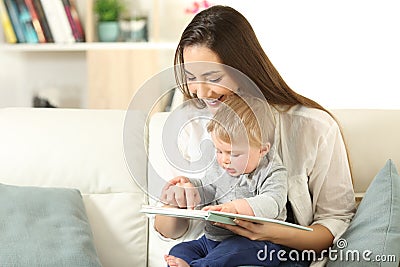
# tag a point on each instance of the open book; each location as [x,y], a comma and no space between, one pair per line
[214,216]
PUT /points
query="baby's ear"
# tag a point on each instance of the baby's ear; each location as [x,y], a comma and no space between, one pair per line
[265,149]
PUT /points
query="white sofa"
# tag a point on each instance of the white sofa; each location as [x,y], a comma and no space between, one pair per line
[84,149]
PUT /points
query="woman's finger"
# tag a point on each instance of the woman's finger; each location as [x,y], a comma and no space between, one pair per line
[213,208]
[245,228]
[192,197]
[238,230]
[183,179]
[180,196]
[252,227]
[170,198]
[171,183]
[174,181]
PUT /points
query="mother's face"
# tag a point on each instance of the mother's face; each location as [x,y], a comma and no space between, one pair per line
[207,76]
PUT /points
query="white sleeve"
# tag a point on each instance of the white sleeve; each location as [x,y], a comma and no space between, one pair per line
[330,184]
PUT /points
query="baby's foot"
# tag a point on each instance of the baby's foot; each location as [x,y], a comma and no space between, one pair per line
[175,262]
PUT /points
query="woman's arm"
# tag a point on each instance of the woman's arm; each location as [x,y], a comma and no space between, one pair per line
[318,239]
[171,227]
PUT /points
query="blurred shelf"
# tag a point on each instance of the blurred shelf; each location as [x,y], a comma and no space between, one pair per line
[83,47]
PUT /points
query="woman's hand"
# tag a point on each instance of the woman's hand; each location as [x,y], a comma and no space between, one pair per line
[318,239]
[180,192]
[254,231]
[226,207]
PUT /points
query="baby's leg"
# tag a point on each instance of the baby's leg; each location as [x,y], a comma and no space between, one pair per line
[173,261]
[240,251]
[192,250]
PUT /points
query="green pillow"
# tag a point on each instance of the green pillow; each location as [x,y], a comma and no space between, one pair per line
[374,233]
[44,227]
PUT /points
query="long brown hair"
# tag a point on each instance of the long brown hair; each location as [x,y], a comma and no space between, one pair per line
[228,33]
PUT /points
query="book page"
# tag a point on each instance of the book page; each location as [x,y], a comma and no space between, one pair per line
[215,216]
[175,212]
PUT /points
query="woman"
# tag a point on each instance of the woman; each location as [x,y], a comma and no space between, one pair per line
[310,142]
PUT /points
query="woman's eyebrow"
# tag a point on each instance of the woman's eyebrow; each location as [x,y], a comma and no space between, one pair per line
[204,74]
[188,72]
[210,73]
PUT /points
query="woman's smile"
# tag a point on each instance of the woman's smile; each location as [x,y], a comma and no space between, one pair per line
[214,102]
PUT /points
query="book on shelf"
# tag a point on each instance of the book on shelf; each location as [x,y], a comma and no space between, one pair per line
[35,21]
[8,29]
[214,216]
[43,21]
[77,20]
[59,24]
[12,10]
[74,21]
[53,20]
[66,27]
[25,19]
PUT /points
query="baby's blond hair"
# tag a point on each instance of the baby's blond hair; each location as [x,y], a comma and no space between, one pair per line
[242,117]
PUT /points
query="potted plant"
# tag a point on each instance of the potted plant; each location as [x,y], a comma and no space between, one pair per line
[108,13]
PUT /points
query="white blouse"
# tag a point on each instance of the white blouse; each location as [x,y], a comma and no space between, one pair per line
[319,179]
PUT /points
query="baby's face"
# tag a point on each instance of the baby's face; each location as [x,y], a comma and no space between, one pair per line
[237,158]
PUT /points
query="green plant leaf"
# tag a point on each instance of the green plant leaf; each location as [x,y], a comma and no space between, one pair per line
[108,10]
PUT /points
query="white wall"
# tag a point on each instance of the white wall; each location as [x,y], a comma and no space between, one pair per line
[23,74]
[10,81]
[342,53]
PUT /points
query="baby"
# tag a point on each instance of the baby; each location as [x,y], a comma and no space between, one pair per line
[245,179]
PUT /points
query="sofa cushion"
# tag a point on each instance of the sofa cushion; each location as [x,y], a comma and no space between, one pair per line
[367,130]
[83,149]
[375,229]
[44,227]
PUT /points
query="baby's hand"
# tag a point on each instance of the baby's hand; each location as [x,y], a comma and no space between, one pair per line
[226,207]
[181,193]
